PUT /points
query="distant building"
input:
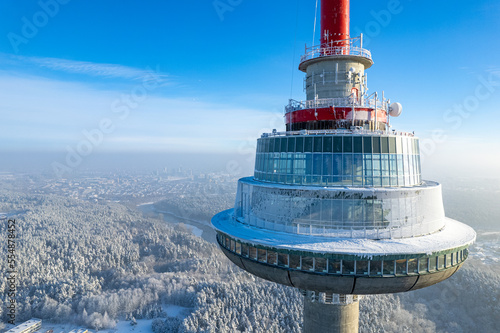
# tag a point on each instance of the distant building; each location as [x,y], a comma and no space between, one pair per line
[29,326]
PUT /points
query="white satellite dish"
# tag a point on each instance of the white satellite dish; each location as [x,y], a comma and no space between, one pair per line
[395,109]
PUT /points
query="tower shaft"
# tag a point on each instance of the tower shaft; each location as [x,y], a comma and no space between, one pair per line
[335,20]
[330,317]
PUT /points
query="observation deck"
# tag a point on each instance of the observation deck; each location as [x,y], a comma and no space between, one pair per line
[370,103]
[352,47]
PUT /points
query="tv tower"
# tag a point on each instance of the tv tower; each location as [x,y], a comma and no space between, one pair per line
[337,206]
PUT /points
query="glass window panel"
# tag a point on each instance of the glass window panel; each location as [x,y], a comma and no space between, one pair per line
[358,144]
[271,257]
[385,181]
[333,266]
[392,145]
[232,245]
[320,265]
[337,211]
[337,144]
[348,267]
[227,243]
[253,252]
[376,267]
[401,266]
[347,210]
[424,267]
[358,164]
[399,145]
[368,211]
[326,210]
[238,247]
[376,145]
[271,145]
[291,145]
[309,164]
[327,164]
[448,260]
[244,250]
[384,164]
[307,263]
[308,144]
[432,263]
[376,165]
[347,144]
[260,162]
[347,164]
[367,144]
[318,144]
[283,259]
[441,260]
[261,255]
[277,145]
[362,267]
[327,144]
[368,181]
[368,166]
[317,164]
[412,265]
[337,165]
[388,267]
[393,165]
[294,261]
[299,145]
[385,145]
[284,145]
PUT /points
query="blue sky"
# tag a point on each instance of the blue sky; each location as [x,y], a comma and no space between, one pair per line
[210,76]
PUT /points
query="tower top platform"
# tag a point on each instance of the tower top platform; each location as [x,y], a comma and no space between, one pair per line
[350,49]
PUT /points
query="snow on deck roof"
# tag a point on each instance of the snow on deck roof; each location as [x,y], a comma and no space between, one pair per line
[453,235]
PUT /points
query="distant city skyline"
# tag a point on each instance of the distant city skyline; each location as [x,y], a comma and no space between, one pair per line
[211,76]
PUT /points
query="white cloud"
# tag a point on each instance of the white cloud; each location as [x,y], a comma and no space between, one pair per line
[87,68]
[41,113]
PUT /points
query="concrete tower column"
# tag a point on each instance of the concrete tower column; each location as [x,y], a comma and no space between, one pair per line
[338,316]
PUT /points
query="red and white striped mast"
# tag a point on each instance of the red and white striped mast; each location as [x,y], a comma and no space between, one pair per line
[336,83]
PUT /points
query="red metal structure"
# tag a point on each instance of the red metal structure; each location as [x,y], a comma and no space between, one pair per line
[335,22]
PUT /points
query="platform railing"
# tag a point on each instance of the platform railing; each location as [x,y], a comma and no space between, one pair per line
[294,105]
[318,51]
[343,131]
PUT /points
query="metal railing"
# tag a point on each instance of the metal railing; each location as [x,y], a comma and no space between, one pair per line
[351,101]
[342,131]
[325,51]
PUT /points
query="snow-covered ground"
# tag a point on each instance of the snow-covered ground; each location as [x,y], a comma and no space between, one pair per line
[143,325]
[487,247]
[196,231]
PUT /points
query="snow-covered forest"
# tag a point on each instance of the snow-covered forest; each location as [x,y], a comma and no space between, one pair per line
[97,263]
